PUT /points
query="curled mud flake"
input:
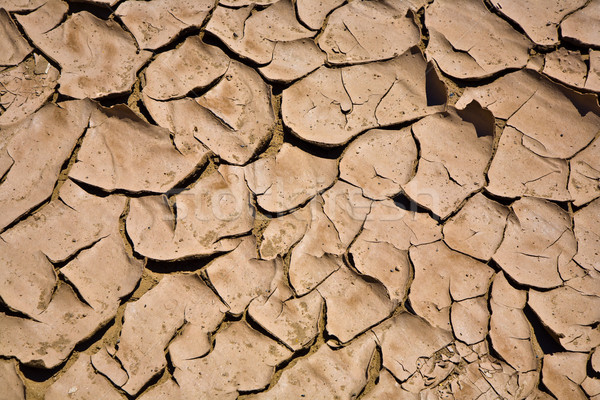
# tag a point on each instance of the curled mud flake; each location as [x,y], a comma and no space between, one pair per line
[13,47]
[293,60]
[123,152]
[313,12]
[566,66]
[576,26]
[452,165]
[344,290]
[563,373]
[470,319]
[294,321]
[234,118]
[12,385]
[443,276]
[404,357]
[517,171]
[539,21]
[197,66]
[97,57]
[239,277]
[243,360]
[572,316]
[587,232]
[43,19]
[538,241]
[290,178]
[510,331]
[82,382]
[284,232]
[391,155]
[477,229]
[467,41]
[152,321]
[158,22]
[331,106]
[325,374]
[253,35]
[206,219]
[387,388]
[38,146]
[364,31]
[25,88]
[593,79]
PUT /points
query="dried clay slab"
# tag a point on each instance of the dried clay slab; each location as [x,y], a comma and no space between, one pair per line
[469,42]
[13,387]
[293,60]
[13,47]
[577,26]
[587,232]
[569,67]
[563,373]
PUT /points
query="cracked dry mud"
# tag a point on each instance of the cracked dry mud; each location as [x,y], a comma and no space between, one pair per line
[309,199]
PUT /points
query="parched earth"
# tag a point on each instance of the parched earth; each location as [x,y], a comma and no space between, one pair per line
[310,199]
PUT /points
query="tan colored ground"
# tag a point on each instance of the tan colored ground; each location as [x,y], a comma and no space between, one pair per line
[319,199]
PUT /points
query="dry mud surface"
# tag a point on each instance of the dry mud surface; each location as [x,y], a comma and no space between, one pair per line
[309,199]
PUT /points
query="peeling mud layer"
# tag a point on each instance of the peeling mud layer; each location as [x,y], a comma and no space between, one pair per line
[309,199]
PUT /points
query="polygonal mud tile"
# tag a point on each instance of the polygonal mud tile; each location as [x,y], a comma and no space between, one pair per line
[587,221]
[293,60]
[13,388]
[585,174]
[563,373]
[13,47]
[312,13]
[575,26]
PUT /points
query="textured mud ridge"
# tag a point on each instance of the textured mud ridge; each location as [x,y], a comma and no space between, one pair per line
[280,199]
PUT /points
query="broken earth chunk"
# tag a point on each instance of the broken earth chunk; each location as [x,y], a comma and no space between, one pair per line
[98,60]
[206,219]
[576,26]
[123,152]
[538,241]
[158,22]
[587,232]
[284,232]
[364,31]
[331,106]
[387,388]
[467,41]
[325,374]
[234,118]
[293,60]
[151,322]
[477,229]
[82,382]
[391,156]
[10,381]
[469,319]
[584,179]
[403,356]
[44,18]
[443,276]
[516,171]
[313,12]
[290,178]
[452,164]
[563,373]
[566,66]
[25,88]
[13,47]
[38,147]
[252,33]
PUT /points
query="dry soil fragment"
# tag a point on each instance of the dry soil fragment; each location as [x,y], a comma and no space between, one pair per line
[234,118]
[538,241]
[578,26]
[99,59]
[516,171]
[313,12]
[44,18]
[571,315]
[284,232]
[405,339]
[156,23]
[566,66]
[468,41]
[252,34]
[477,229]
[345,290]
[203,220]
[239,277]
[242,360]
[539,21]
[387,388]
[11,383]
[38,146]
[470,319]
[325,374]
[25,88]
[584,180]
[364,31]
[452,165]
[587,232]
[510,331]
[441,276]
[290,178]
[330,106]
[293,60]
[22,5]
[152,321]
[82,382]
[13,47]
[123,152]
[563,373]
[391,156]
